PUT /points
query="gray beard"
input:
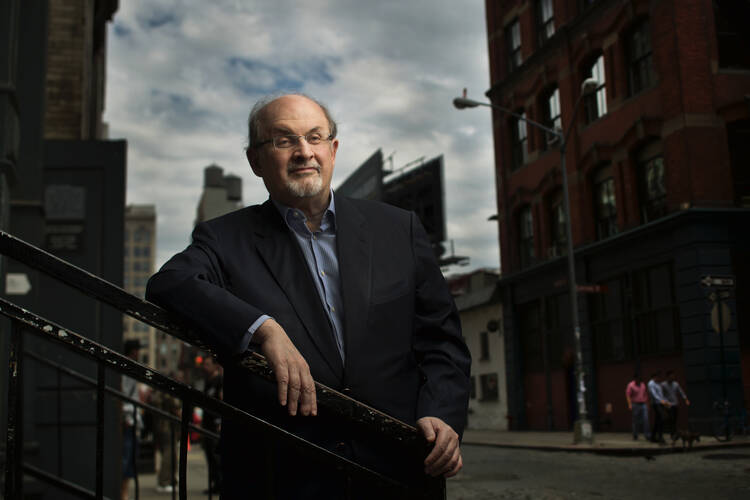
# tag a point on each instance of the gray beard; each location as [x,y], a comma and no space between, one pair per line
[305,187]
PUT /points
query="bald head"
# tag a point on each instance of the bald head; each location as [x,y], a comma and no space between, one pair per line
[256,121]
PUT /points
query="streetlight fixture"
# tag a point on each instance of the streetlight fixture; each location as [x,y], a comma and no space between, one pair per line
[583,431]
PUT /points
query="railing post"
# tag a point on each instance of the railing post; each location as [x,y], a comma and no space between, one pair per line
[136,451]
[173,456]
[100,385]
[14,439]
[187,412]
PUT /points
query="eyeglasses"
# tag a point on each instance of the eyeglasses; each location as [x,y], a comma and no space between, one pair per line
[291,140]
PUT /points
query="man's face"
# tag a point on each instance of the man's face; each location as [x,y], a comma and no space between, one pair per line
[303,171]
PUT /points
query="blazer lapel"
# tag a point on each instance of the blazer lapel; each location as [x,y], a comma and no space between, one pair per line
[354,247]
[284,259]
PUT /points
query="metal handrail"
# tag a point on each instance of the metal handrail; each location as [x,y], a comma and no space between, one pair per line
[331,400]
[367,419]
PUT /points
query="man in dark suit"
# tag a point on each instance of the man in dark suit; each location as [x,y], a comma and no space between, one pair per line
[345,292]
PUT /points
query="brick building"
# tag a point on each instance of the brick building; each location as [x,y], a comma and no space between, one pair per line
[658,162]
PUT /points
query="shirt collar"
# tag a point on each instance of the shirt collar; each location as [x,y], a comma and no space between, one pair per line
[294,217]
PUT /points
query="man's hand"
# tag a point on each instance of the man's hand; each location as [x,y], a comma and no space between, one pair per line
[295,384]
[445,457]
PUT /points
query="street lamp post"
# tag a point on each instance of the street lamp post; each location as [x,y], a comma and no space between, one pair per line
[582,431]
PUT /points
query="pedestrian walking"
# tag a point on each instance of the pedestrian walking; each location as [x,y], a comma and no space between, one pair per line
[672,392]
[659,404]
[637,398]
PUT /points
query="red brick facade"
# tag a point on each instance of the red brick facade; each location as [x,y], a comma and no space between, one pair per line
[686,109]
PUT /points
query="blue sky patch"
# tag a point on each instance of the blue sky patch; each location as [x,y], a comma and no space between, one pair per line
[178,111]
[254,77]
[121,30]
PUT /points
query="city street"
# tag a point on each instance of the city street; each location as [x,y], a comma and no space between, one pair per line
[504,473]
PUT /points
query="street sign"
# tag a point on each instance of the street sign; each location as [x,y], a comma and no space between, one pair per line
[718,281]
[726,317]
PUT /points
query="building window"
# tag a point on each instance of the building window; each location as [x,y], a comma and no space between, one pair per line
[558,232]
[596,102]
[651,183]
[519,139]
[732,35]
[552,116]
[484,346]
[609,325]
[513,44]
[473,380]
[654,311]
[604,203]
[640,65]
[545,15]
[141,234]
[489,387]
[526,239]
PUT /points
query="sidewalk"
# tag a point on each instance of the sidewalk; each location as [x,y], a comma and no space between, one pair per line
[197,479]
[612,443]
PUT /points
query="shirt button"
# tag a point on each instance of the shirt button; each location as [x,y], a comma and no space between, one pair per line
[322,273]
[315,237]
[333,309]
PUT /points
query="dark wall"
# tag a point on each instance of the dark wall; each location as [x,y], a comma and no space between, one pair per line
[686,246]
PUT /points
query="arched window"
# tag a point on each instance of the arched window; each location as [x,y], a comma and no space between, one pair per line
[651,186]
[596,102]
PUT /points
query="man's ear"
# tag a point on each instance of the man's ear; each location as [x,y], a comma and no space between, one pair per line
[334,148]
[252,158]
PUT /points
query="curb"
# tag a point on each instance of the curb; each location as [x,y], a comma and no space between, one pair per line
[620,451]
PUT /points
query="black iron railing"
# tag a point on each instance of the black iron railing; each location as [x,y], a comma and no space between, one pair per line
[367,420]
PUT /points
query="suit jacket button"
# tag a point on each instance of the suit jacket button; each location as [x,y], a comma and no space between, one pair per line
[347,391]
[341,447]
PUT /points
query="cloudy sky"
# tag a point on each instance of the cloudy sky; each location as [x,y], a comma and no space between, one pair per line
[182,75]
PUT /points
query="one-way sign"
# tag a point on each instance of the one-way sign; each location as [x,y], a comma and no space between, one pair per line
[718,281]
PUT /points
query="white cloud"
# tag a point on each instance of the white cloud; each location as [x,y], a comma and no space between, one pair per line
[182,76]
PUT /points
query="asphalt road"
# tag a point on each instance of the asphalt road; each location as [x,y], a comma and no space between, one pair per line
[502,473]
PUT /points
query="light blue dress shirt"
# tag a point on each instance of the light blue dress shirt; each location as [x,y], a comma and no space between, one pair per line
[319,250]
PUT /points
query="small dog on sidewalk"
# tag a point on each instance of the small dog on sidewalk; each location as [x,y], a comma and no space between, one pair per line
[687,437]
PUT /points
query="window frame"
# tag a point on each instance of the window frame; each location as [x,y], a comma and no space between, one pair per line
[595,103]
[526,250]
[641,74]
[513,49]
[519,138]
[553,121]
[545,26]
[651,207]
[606,219]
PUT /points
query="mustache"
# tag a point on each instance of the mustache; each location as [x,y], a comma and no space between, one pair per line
[292,167]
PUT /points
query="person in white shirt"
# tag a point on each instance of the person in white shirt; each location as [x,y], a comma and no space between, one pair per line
[660,405]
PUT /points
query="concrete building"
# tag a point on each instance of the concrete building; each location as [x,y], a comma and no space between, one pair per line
[221,194]
[659,196]
[479,305]
[160,351]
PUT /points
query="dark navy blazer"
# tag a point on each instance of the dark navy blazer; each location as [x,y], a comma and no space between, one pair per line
[404,351]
